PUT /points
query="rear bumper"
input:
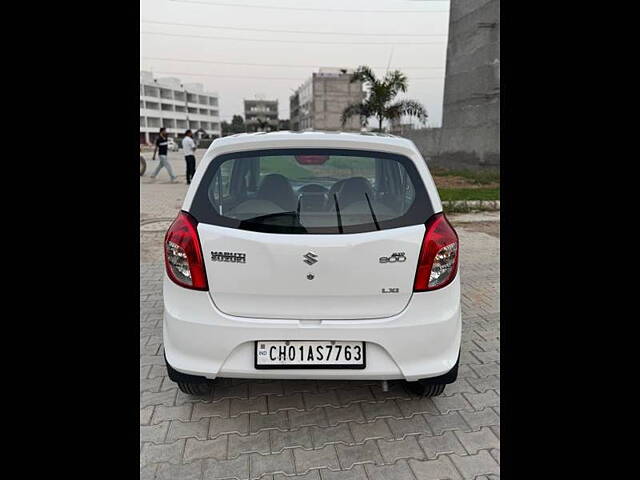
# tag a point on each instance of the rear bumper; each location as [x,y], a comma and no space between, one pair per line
[420,342]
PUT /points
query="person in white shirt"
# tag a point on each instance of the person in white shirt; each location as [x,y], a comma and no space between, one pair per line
[189,147]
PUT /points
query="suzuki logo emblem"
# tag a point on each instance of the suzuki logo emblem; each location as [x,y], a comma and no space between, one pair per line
[310,258]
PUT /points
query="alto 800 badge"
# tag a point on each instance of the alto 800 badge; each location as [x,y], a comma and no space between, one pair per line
[397,257]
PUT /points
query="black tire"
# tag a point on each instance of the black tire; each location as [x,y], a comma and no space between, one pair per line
[143,165]
[426,389]
[434,386]
[189,384]
[197,388]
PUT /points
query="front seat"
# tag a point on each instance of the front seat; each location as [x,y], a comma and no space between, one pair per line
[353,190]
[277,189]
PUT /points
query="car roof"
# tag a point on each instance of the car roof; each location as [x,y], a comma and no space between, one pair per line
[315,137]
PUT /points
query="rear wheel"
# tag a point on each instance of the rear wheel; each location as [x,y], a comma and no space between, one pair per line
[434,386]
[143,165]
[189,384]
[194,388]
[426,389]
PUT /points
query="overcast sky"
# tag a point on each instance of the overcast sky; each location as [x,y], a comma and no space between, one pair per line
[409,35]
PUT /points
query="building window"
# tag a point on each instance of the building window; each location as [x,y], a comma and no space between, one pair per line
[150,91]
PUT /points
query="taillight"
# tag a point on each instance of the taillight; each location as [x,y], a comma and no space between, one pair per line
[438,262]
[183,255]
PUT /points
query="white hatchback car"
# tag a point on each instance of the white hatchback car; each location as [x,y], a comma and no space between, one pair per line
[312,255]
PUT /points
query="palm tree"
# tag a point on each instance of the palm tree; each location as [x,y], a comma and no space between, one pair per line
[379,99]
[262,124]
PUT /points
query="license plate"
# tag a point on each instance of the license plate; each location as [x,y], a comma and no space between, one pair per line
[309,354]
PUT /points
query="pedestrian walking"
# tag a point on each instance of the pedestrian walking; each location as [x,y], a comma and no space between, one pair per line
[162,144]
[189,147]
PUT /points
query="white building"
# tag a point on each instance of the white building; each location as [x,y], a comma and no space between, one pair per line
[166,102]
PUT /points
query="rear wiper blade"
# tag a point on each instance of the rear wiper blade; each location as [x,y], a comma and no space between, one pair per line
[335,198]
[271,215]
[373,215]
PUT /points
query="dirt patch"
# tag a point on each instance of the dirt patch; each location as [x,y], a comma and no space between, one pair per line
[491,228]
[451,181]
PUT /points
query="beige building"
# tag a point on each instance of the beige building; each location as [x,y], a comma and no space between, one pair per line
[319,102]
[261,115]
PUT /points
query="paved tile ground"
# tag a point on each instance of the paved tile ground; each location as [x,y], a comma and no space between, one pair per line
[323,430]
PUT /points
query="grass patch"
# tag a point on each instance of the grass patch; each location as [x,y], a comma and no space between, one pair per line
[480,177]
[286,166]
[453,194]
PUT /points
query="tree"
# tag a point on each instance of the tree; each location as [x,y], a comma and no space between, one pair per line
[236,126]
[263,124]
[379,100]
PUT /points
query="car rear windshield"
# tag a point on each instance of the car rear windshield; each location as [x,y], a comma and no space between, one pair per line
[304,191]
